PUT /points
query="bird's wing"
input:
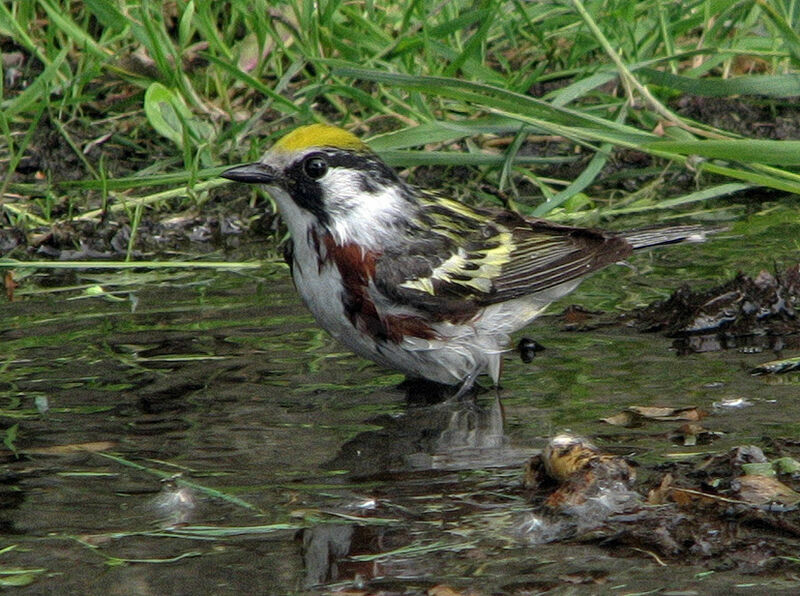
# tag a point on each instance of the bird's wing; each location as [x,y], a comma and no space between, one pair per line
[545,255]
[469,259]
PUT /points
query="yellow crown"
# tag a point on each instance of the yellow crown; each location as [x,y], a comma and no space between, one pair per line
[320,135]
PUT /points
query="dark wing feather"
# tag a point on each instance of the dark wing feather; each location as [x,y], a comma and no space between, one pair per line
[547,254]
[465,260]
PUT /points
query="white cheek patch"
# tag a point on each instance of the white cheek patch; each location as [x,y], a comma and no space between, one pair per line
[359,215]
[342,190]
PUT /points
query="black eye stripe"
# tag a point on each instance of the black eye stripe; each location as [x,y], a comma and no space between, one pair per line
[301,179]
[364,162]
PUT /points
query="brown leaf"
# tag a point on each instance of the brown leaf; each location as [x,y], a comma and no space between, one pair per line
[638,415]
[10,285]
[682,498]
[591,577]
[71,448]
[662,493]
[690,413]
[692,433]
[762,490]
[443,590]
[626,418]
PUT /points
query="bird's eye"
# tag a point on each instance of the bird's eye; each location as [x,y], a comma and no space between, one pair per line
[315,167]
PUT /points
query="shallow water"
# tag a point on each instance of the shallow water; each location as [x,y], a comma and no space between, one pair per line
[197,433]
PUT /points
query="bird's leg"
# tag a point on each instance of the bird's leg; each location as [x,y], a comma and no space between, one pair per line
[499,404]
[466,386]
[498,411]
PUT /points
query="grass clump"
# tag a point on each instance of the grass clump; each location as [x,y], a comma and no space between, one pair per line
[116,114]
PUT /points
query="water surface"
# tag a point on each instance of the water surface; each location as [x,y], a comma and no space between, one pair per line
[197,433]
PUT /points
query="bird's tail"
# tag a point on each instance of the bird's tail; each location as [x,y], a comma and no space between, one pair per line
[648,237]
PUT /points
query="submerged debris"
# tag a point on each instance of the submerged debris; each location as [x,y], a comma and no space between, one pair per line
[736,510]
[777,366]
[584,474]
[637,415]
[750,313]
[528,348]
[590,486]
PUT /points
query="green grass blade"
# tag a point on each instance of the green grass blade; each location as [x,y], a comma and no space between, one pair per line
[787,85]
[81,38]
[760,151]
[7,263]
[489,96]
[699,196]
[282,103]
[211,492]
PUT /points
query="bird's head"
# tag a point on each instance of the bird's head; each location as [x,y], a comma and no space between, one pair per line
[325,176]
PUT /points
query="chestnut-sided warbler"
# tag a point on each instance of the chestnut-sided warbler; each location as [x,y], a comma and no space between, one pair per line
[414,280]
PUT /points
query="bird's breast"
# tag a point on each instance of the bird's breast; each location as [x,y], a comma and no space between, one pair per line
[336,282]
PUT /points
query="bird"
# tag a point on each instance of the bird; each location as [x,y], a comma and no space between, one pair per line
[413,279]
